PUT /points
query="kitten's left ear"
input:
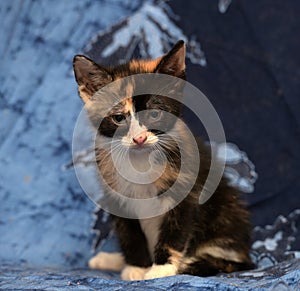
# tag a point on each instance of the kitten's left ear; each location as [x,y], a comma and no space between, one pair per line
[90,77]
[173,63]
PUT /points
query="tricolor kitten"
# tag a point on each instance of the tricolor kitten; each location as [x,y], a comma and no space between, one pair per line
[192,238]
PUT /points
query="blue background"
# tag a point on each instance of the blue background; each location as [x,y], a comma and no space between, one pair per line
[251,76]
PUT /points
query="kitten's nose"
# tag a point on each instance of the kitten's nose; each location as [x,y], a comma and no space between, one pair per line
[140,138]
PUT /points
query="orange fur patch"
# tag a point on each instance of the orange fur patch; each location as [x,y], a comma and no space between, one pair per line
[176,257]
[147,66]
[128,105]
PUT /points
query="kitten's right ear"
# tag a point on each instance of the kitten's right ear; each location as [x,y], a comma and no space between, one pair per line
[173,63]
[90,77]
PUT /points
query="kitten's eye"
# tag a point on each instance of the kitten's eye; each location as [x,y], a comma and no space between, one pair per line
[155,114]
[118,118]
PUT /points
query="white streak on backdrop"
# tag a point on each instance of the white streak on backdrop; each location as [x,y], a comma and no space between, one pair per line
[152,29]
[223,5]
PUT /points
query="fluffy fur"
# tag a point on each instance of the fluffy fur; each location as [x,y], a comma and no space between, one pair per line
[192,239]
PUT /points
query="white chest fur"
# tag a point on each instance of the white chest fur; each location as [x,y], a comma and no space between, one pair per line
[151,229]
[136,176]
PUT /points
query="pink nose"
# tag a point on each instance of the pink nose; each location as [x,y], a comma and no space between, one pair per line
[140,138]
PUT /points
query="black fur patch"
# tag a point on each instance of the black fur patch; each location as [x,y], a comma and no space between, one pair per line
[222,222]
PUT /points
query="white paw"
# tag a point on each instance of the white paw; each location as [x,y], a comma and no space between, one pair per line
[158,271]
[131,273]
[107,261]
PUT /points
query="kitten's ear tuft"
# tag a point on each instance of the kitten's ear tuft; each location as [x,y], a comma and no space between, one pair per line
[90,77]
[173,63]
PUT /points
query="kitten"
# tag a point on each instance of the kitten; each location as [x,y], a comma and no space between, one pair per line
[192,238]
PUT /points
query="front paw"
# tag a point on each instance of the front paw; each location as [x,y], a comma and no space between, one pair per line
[158,271]
[107,261]
[132,273]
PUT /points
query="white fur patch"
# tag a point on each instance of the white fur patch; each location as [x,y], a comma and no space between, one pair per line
[136,191]
[150,227]
[107,261]
[158,271]
[218,252]
[134,129]
[132,273]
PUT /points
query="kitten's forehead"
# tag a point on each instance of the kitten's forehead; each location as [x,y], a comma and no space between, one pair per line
[127,92]
[128,106]
[144,66]
[125,102]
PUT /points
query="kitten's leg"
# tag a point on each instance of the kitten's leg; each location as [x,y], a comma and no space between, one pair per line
[131,273]
[107,261]
[210,266]
[166,264]
[159,271]
[170,247]
[115,262]
[215,256]
[134,246]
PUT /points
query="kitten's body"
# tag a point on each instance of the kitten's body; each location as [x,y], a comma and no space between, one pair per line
[190,238]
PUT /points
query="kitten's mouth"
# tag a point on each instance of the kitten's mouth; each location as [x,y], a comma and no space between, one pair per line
[141,147]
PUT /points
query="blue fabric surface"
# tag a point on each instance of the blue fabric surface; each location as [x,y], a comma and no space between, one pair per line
[46,219]
[286,276]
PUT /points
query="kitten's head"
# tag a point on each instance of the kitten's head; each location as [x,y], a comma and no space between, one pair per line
[138,122]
